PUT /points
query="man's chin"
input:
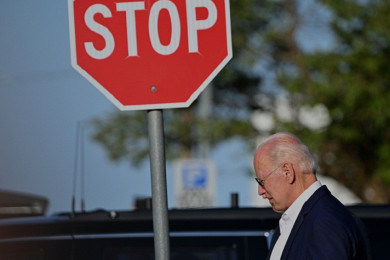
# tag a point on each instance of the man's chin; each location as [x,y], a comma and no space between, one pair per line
[276,208]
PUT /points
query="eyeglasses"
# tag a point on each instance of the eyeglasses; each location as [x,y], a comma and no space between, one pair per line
[261,181]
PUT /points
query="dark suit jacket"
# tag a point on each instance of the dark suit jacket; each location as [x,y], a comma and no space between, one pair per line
[324,229]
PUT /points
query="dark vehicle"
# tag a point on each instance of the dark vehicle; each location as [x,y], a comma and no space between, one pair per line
[224,233]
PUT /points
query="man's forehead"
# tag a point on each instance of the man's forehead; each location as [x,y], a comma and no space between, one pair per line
[262,160]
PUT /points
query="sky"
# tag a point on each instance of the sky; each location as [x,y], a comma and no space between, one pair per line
[42,98]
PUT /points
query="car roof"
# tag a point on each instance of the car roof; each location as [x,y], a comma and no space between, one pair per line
[180,220]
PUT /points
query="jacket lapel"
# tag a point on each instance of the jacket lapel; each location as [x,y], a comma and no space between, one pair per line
[301,217]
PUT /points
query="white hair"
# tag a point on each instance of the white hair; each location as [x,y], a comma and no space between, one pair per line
[286,146]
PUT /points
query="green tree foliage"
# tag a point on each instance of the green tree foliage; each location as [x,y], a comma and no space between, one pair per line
[353,81]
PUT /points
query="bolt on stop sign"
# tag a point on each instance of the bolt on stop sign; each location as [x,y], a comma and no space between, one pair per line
[148,54]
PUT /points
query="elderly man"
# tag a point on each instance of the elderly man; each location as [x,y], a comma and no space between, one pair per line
[314,224]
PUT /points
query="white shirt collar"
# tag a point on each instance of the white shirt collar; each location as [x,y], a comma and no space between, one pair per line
[293,211]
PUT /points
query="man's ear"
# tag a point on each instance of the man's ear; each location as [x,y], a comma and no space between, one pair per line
[289,172]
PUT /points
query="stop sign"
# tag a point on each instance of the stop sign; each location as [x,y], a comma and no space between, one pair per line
[152,54]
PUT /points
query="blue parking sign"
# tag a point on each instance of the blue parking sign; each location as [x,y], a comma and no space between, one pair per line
[194,183]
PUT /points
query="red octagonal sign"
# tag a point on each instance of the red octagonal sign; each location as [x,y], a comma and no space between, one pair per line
[150,54]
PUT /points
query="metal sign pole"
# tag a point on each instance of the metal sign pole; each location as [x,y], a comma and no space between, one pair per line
[159,184]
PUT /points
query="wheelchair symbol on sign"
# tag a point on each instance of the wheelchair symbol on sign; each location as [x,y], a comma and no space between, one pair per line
[194,177]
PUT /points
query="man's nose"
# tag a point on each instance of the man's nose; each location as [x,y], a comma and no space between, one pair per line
[261,191]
